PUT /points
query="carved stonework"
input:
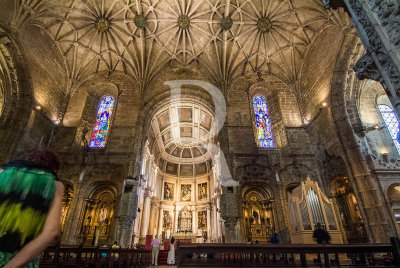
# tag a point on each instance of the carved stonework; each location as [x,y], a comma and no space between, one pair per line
[366,68]
[377,63]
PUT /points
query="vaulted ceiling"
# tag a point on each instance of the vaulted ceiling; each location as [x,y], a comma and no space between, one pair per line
[140,38]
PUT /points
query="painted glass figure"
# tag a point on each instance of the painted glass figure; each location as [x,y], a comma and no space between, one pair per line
[102,125]
[262,123]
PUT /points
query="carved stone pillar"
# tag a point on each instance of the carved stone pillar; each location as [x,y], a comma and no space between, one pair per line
[155,202]
[160,221]
[146,212]
[231,214]
[194,229]
[175,220]
[208,222]
[127,213]
[214,223]
[378,27]
[73,222]
[218,219]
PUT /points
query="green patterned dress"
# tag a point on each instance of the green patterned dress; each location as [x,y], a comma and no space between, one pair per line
[26,192]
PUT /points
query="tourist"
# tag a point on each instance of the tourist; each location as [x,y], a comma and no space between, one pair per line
[104,254]
[275,238]
[30,208]
[171,252]
[115,246]
[155,245]
[321,237]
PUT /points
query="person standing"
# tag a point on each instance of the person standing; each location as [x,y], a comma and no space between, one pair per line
[321,237]
[275,238]
[115,246]
[155,245]
[171,252]
[30,208]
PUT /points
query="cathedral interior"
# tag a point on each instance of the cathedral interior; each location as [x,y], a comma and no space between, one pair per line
[214,121]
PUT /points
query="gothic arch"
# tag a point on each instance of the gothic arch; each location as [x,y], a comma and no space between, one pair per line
[349,129]
[16,100]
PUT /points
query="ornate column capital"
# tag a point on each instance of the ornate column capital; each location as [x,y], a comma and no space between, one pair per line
[147,192]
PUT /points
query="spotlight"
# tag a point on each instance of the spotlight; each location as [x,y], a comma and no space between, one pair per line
[38,107]
[324,104]
[56,122]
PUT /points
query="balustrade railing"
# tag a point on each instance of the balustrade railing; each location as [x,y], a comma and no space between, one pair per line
[77,256]
[219,255]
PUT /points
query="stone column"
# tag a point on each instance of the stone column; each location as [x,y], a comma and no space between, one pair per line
[219,224]
[208,222]
[74,217]
[160,221]
[231,214]
[146,212]
[214,223]
[155,202]
[194,220]
[126,215]
[175,220]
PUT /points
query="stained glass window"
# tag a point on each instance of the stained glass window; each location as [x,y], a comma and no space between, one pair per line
[103,120]
[263,123]
[391,122]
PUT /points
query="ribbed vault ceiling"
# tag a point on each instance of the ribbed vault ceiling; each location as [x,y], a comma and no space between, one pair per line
[140,38]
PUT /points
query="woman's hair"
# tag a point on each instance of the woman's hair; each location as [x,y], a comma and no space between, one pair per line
[172,240]
[47,158]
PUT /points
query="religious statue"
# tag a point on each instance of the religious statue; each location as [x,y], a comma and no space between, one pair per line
[202,220]
[168,191]
[186,192]
[202,191]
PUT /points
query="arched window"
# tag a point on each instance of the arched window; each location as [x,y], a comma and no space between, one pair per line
[262,123]
[103,120]
[391,122]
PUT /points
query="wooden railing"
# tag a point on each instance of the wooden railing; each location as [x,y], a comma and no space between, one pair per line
[77,256]
[287,255]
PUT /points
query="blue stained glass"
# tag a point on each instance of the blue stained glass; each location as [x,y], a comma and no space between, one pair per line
[102,125]
[263,123]
[391,122]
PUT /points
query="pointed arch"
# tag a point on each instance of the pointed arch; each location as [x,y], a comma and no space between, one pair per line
[262,123]
[102,124]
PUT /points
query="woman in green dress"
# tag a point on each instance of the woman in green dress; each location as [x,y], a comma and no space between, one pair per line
[30,208]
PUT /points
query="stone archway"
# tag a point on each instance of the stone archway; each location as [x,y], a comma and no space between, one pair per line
[393,194]
[344,96]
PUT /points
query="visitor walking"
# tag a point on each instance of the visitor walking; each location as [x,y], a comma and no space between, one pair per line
[30,208]
[155,245]
[171,252]
[321,237]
